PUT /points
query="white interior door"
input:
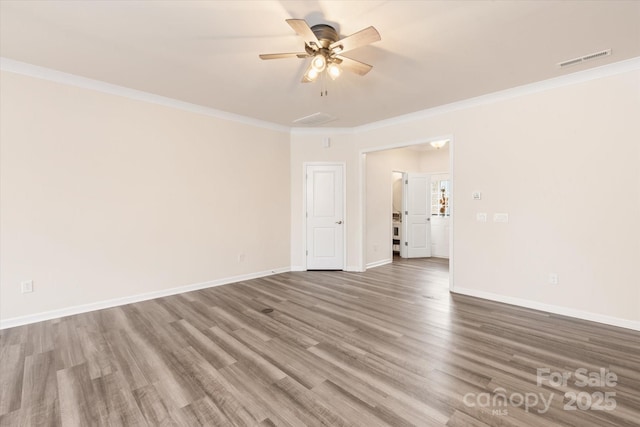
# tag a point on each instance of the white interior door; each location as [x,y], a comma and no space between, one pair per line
[325,217]
[417,215]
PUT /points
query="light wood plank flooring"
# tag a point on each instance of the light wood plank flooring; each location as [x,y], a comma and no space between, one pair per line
[387,347]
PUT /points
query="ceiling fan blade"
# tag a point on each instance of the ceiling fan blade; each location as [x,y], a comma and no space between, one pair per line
[354,66]
[301,28]
[283,55]
[355,40]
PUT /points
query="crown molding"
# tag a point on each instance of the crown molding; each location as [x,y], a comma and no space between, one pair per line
[528,89]
[615,68]
[23,68]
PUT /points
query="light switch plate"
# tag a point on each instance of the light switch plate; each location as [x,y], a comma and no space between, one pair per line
[26,286]
[481,217]
[476,195]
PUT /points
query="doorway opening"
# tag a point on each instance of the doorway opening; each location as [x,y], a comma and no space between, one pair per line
[390,228]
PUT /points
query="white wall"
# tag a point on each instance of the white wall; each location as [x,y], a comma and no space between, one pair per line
[549,155]
[104,197]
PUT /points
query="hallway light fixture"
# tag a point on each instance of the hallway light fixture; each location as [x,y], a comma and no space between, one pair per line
[439,144]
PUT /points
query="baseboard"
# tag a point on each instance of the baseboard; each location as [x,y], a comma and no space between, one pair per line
[555,309]
[378,263]
[347,268]
[78,309]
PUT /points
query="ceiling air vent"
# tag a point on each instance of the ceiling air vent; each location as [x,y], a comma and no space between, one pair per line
[588,57]
[315,119]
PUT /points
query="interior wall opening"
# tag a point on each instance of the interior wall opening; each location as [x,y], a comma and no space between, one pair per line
[388,222]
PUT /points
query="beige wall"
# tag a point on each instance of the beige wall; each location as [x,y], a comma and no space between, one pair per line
[104,197]
[379,198]
[552,158]
[434,161]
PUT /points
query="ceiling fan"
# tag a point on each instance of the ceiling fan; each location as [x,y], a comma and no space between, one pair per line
[322,43]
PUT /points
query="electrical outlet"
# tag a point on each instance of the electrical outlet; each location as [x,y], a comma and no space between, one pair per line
[476,195]
[481,217]
[501,217]
[26,286]
[240,257]
[553,278]
[375,248]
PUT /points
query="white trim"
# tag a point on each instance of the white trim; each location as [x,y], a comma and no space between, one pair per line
[515,92]
[78,309]
[404,144]
[354,269]
[549,308]
[362,203]
[298,268]
[452,211]
[35,71]
[379,263]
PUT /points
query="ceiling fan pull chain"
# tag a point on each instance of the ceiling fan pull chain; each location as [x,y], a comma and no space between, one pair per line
[324,81]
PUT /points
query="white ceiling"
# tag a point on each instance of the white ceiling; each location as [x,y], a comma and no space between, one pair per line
[206,52]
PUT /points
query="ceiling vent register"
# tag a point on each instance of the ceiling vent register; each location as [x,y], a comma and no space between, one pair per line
[584,58]
[315,119]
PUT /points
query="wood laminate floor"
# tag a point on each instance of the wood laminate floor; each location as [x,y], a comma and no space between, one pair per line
[387,347]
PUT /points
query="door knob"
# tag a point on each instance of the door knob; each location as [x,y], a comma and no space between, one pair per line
[338,222]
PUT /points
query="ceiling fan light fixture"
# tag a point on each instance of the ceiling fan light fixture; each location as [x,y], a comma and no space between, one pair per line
[311,74]
[319,62]
[323,45]
[334,71]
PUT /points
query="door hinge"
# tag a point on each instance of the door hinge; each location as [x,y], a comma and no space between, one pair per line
[406,181]
[406,243]
[307,253]
[406,212]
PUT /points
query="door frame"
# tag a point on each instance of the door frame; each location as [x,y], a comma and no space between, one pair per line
[362,157]
[345,223]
